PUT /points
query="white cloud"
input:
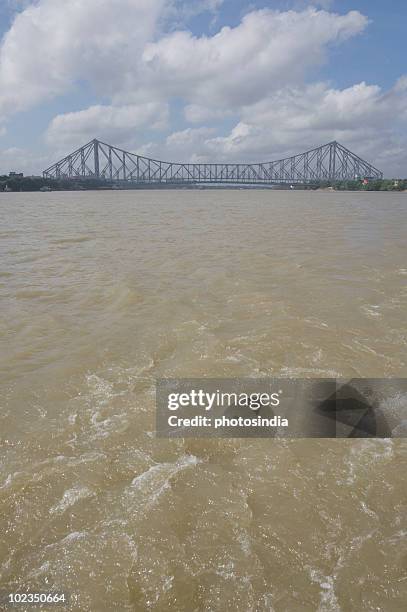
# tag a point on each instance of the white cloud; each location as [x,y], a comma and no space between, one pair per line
[106,122]
[183,146]
[241,65]
[319,107]
[185,138]
[54,44]
[196,113]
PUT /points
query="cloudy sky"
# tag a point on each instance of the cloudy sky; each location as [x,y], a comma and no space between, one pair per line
[203,80]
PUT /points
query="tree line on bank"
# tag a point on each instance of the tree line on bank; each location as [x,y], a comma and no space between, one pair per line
[377,185]
[28,183]
[36,183]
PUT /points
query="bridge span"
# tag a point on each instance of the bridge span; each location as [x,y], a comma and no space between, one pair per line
[98,160]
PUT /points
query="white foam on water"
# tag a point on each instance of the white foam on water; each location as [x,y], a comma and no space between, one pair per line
[43,569]
[118,526]
[317,356]
[100,389]
[72,418]
[317,323]
[104,391]
[368,511]
[363,455]
[70,497]
[268,602]
[71,461]
[328,600]
[371,310]
[37,472]
[9,480]
[400,431]
[292,372]
[152,483]
[400,536]
[244,541]
[226,570]
[167,585]
[382,449]
[111,424]
[395,407]
[236,357]
[74,536]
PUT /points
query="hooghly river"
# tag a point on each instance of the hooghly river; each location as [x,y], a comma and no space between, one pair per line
[103,292]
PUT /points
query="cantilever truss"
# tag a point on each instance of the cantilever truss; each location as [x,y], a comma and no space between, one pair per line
[98,160]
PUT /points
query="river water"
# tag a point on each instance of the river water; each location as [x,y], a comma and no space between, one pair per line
[103,292]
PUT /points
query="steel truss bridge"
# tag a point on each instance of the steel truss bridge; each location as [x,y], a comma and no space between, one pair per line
[101,161]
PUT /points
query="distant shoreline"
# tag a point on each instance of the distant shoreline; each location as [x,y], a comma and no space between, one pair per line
[37,184]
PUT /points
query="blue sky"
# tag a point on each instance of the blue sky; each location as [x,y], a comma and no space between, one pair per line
[203,79]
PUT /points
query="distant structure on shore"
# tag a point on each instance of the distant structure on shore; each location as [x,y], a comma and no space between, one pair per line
[97,160]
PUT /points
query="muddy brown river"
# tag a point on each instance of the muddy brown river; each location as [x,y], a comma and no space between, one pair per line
[103,292]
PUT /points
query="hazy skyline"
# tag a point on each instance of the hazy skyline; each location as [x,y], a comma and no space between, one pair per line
[203,80]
